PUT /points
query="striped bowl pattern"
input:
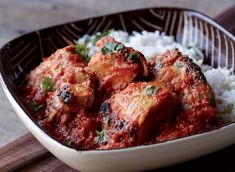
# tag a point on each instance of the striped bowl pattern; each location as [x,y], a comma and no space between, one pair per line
[188,27]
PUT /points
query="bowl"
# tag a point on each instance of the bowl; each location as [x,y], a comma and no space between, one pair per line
[24,53]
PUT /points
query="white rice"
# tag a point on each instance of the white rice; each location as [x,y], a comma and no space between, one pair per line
[223,85]
[154,43]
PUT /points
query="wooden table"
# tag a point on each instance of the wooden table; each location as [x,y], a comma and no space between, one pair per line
[20,16]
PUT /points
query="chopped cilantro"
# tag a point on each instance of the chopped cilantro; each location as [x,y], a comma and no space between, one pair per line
[101,137]
[68,142]
[151,89]
[201,96]
[82,51]
[196,50]
[229,108]
[105,120]
[93,39]
[111,47]
[47,85]
[38,107]
[179,64]
[212,99]
[34,106]
[134,56]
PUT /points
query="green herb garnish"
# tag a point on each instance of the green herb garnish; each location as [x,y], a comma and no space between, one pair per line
[105,120]
[111,47]
[151,89]
[68,142]
[82,51]
[212,99]
[48,85]
[93,39]
[179,64]
[229,108]
[134,56]
[34,106]
[101,137]
[201,96]
[196,49]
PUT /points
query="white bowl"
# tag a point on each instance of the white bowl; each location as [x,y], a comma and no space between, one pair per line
[128,159]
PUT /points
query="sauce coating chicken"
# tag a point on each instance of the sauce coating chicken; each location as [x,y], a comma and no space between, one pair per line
[53,69]
[116,65]
[76,91]
[63,82]
[113,101]
[180,74]
[60,91]
[134,112]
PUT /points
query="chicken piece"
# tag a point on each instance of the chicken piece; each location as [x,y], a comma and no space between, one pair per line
[116,65]
[184,77]
[52,69]
[135,111]
[63,83]
[76,91]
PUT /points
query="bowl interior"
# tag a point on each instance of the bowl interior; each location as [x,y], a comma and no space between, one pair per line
[188,27]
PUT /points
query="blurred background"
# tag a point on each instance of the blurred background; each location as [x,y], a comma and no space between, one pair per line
[21,16]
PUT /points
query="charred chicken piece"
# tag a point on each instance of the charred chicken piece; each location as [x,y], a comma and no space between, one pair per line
[64,88]
[63,83]
[184,77]
[76,91]
[132,113]
[116,65]
[51,70]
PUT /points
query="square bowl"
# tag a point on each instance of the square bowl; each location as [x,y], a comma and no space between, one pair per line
[21,55]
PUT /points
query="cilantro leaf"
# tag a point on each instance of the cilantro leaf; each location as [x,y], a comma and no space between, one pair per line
[196,50]
[48,85]
[68,142]
[201,96]
[101,137]
[151,89]
[212,99]
[134,56]
[82,51]
[105,120]
[93,39]
[229,108]
[179,64]
[111,47]
[34,106]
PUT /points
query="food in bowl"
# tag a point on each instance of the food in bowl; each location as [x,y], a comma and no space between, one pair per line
[113,96]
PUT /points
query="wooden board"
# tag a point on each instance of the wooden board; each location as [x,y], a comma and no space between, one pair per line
[26,154]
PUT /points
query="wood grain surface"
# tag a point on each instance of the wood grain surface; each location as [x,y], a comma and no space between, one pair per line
[28,155]
[21,152]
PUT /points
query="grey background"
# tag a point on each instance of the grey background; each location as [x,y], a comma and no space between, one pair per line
[21,16]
